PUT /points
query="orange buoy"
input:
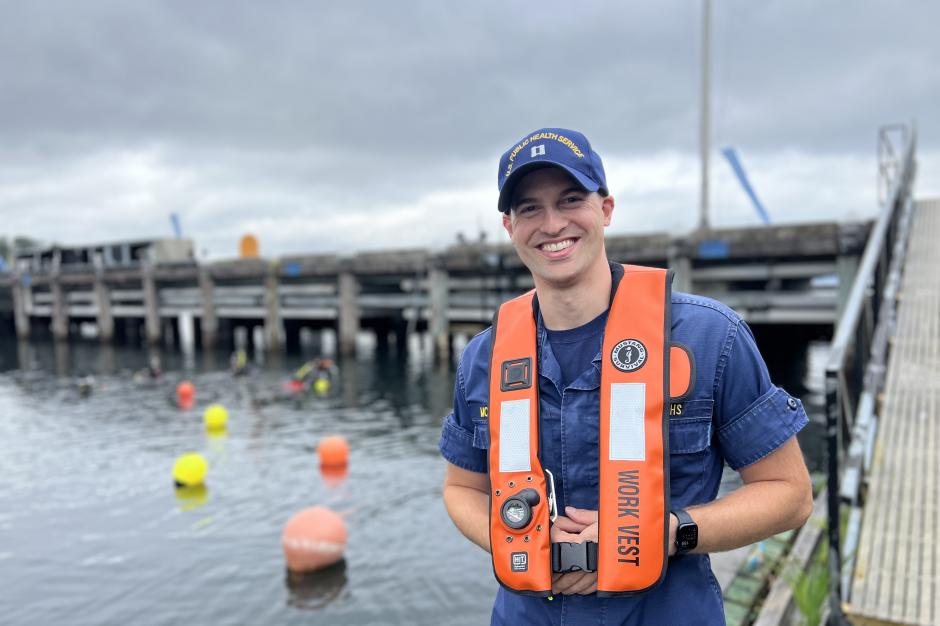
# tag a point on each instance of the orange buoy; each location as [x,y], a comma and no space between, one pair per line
[248,247]
[313,539]
[333,451]
[186,393]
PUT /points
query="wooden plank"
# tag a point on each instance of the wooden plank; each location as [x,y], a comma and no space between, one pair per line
[778,605]
[896,580]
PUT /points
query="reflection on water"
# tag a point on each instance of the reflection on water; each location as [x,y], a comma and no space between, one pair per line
[93,532]
[192,497]
[334,476]
[314,590]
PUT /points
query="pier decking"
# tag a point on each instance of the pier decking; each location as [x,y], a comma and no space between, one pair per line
[896,578]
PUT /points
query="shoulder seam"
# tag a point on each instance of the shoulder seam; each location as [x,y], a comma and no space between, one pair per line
[725,355]
[723,309]
[460,380]
[460,373]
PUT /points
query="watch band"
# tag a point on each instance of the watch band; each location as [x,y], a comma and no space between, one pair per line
[683,516]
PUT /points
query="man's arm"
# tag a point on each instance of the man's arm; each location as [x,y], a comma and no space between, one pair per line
[467,498]
[777,495]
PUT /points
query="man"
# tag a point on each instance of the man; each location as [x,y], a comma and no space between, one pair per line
[555,204]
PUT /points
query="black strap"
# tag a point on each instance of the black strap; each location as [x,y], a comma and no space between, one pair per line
[616,275]
[683,516]
[574,557]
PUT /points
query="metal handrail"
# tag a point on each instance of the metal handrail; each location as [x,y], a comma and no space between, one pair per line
[855,369]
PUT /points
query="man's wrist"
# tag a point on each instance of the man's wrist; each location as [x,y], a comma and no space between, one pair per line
[673,525]
[686,532]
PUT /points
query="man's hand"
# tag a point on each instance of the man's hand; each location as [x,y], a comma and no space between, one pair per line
[579,526]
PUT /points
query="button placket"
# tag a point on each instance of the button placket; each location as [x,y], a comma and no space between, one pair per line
[564,447]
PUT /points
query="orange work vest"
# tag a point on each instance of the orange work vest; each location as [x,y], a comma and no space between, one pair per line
[641,370]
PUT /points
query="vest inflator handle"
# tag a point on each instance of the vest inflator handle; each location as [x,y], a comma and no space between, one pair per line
[641,372]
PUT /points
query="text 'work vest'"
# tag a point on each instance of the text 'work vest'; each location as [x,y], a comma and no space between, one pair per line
[640,371]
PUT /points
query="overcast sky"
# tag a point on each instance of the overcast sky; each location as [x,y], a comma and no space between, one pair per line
[346,126]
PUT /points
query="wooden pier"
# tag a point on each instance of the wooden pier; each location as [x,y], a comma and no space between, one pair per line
[896,577]
[792,274]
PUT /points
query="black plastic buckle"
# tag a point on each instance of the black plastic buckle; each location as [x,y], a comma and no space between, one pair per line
[574,557]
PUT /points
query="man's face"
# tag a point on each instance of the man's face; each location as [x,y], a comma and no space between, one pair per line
[556,226]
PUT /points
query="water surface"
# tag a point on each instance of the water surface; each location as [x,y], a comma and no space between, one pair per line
[92,530]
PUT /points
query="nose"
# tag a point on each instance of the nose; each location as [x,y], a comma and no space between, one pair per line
[554,222]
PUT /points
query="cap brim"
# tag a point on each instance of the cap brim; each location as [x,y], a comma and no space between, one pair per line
[505,194]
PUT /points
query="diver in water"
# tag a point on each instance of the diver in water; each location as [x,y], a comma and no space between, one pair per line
[326,368]
[152,372]
[307,375]
[85,385]
[239,362]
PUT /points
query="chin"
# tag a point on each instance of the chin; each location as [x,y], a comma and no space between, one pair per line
[558,276]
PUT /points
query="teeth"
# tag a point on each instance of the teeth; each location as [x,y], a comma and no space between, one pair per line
[558,245]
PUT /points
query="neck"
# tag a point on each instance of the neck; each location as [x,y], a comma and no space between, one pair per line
[571,305]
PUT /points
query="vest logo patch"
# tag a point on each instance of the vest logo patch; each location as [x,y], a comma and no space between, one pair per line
[520,561]
[629,355]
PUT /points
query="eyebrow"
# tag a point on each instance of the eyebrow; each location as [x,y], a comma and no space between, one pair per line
[571,189]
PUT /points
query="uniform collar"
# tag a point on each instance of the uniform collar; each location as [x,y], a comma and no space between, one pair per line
[549,368]
[548,363]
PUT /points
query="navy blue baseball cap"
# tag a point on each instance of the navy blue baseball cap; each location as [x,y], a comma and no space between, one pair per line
[550,147]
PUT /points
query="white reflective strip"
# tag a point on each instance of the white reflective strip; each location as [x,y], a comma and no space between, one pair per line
[627,431]
[514,436]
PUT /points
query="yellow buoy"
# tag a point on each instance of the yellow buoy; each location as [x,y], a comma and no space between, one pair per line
[215,417]
[190,470]
[321,386]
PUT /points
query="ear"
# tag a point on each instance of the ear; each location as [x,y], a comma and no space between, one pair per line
[507,224]
[607,206]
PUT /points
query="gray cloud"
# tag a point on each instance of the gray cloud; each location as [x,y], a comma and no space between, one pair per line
[237,112]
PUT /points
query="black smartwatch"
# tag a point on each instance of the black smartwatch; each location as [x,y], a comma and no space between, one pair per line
[686,532]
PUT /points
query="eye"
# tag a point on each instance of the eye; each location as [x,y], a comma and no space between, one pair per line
[572,199]
[526,209]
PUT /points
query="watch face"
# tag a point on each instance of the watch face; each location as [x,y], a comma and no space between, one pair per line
[686,537]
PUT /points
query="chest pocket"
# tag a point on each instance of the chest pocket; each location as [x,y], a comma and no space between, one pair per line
[690,434]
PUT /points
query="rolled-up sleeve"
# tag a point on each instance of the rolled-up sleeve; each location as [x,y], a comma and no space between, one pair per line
[456,444]
[754,417]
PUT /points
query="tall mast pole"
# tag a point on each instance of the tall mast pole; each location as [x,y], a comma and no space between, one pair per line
[704,122]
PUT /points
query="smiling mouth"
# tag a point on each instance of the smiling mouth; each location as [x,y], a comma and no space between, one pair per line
[557,246]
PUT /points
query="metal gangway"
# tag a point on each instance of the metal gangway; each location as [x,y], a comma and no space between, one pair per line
[883,412]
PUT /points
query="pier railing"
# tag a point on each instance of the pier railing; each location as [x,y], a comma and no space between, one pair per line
[855,370]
